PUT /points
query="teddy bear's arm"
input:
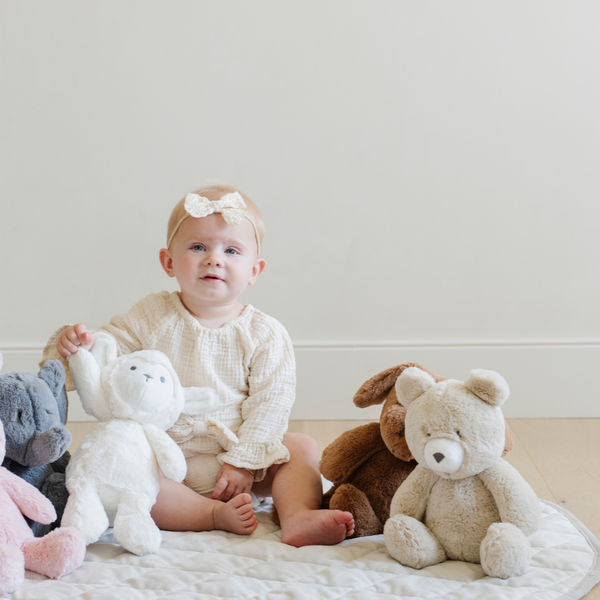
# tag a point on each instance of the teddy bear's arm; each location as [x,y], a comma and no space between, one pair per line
[411,497]
[349,451]
[168,454]
[515,499]
[31,502]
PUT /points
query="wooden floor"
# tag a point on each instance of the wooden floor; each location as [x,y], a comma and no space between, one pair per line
[560,458]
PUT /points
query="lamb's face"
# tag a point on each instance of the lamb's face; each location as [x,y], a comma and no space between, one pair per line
[143,387]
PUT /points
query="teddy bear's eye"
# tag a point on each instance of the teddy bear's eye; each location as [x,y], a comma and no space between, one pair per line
[428,435]
[458,433]
[162,379]
[133,368]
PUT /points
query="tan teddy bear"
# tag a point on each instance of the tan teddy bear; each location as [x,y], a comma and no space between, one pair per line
[462,502]
[368,463]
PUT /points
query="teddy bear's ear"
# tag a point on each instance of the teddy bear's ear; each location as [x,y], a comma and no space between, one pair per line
[490,386]
[376,390]
[411,384]
[104,348]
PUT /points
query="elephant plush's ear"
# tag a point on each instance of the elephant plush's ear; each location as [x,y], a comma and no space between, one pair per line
[412,383]
[104,349]
[489,386]
[53,374]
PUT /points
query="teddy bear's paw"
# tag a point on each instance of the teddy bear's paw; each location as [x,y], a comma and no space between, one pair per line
[137,533]
[348,498]
[12,569]
[56,554]
[505,551]
[411,543]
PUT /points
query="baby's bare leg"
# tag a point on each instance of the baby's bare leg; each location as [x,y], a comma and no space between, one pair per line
[297,492]
[178,508]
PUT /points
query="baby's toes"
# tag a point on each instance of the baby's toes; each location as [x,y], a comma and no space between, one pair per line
[241,500]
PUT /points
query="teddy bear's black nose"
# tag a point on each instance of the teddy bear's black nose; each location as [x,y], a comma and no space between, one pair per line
[439,457]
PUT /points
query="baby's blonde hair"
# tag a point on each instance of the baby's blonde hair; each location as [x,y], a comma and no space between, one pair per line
[213,192]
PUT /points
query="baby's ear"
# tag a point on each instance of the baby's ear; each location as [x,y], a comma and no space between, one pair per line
[198,400]
[489,386]
[412,383]
[104,348]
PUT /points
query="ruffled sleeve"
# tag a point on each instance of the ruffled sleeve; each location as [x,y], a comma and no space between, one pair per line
[51,353]
[266,410]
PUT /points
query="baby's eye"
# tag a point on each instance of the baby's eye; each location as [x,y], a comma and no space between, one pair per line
[198,247]
[231,251]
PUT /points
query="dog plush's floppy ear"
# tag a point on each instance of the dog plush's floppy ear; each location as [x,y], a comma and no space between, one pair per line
[376,390]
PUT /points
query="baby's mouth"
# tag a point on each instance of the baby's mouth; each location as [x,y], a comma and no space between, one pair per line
[211,278]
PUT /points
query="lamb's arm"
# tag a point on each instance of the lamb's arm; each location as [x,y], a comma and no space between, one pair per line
[31,502]
[411,497]
[515,499]
[168,454]
[349,451]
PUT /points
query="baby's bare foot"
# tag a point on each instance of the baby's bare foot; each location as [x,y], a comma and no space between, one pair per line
[236,515]
[317,527]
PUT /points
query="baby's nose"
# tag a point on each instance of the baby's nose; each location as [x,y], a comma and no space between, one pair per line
[214,259]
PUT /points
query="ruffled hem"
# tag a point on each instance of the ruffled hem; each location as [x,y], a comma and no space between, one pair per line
[257,456]
[51,353]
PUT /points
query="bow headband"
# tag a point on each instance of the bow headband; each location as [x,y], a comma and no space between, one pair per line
[231,207]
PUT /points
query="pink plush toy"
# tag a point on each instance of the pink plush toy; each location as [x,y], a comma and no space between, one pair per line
[54,555]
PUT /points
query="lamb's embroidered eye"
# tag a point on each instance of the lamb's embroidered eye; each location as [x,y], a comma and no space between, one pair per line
[133,368]
[162,379]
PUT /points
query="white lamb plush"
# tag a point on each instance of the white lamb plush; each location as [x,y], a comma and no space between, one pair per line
[113,478]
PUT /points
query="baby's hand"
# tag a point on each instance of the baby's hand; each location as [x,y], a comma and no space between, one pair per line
[73,337]
[232,481]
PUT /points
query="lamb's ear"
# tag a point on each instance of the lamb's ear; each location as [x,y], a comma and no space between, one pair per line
[104,349]
[411,384]
[489,386]
[199,399]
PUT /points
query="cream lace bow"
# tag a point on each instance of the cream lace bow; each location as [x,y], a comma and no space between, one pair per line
[231,206]
[187,428]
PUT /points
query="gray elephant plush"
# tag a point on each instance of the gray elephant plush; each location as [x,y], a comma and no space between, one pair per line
[33,410]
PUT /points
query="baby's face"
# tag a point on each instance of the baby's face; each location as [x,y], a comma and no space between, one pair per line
[212,261]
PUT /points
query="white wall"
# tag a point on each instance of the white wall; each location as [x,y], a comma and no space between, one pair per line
[428,172]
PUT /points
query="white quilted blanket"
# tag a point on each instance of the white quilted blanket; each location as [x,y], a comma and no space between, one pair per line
[216,564]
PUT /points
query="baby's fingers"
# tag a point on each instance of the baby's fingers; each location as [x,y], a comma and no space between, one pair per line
[83,336]
[219,488]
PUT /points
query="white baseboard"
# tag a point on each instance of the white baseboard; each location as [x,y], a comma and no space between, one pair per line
[548,379]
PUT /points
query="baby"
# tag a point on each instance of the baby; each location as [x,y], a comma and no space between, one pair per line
[213,340]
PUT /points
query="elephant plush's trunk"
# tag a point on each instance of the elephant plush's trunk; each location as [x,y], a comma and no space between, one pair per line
[46,447]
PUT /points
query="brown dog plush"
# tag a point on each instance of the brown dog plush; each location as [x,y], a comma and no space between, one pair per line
[368,463]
